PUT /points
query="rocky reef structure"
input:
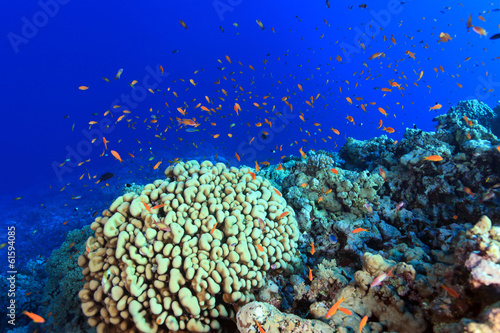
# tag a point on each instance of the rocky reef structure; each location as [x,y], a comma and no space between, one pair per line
[409,243]
[389,208]
[273,320]
[187,252]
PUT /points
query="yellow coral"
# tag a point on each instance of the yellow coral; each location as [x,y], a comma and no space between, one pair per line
[165,270]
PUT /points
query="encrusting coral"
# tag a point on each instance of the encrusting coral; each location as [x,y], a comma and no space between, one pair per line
[187,252]
[272,320]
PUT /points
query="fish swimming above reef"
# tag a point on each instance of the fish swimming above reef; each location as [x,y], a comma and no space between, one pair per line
[105,177]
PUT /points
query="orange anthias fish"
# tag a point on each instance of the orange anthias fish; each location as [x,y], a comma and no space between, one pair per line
[158,206]
[451,291]
[334,308]
[468,191]
[282,215]
[469,22]
[351,119]
[251,174]
[388,129]
[262,224]
[310,274]
[379,279]
[213,228]
[312,248]
[302,153]
[444,37]
[279,167]
[362,323]
[346,311]
[147,207]
[157,165]
[436,107]
[261,330]
[433,158]
[36,318]
[277,192]
[411,54]
[116,155]
[382,173]
[335,171]
[355,231]
[376,55]
[187,122]
[480,31]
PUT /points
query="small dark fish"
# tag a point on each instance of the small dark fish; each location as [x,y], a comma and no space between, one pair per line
[495,36]
[221,28]
[333,239]
[328,3]
[105,177]
[175,51]
[128,185]
[95,213]
[264,136]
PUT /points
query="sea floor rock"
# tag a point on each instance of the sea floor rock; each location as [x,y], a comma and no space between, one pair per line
[272,320]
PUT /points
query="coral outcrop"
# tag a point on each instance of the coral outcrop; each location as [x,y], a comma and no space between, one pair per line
[273,320]
[187,252]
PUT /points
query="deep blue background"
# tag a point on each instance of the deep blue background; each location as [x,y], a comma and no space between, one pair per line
[84,41]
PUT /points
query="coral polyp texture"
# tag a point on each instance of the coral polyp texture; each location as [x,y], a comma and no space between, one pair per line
[187,252]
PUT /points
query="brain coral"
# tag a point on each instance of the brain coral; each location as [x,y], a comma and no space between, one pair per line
[154,264]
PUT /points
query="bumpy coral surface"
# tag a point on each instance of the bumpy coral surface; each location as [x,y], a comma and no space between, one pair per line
[272,320]
[187,251]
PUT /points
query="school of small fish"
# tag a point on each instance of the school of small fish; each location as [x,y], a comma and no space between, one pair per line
[254,113]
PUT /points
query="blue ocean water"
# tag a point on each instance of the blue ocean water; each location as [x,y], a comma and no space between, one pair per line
[78,44]
[52,156]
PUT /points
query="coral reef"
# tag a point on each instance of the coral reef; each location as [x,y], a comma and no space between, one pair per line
[272,320]
[187,251]
[411,243]
[411,215]
[64,283]
[132,188]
